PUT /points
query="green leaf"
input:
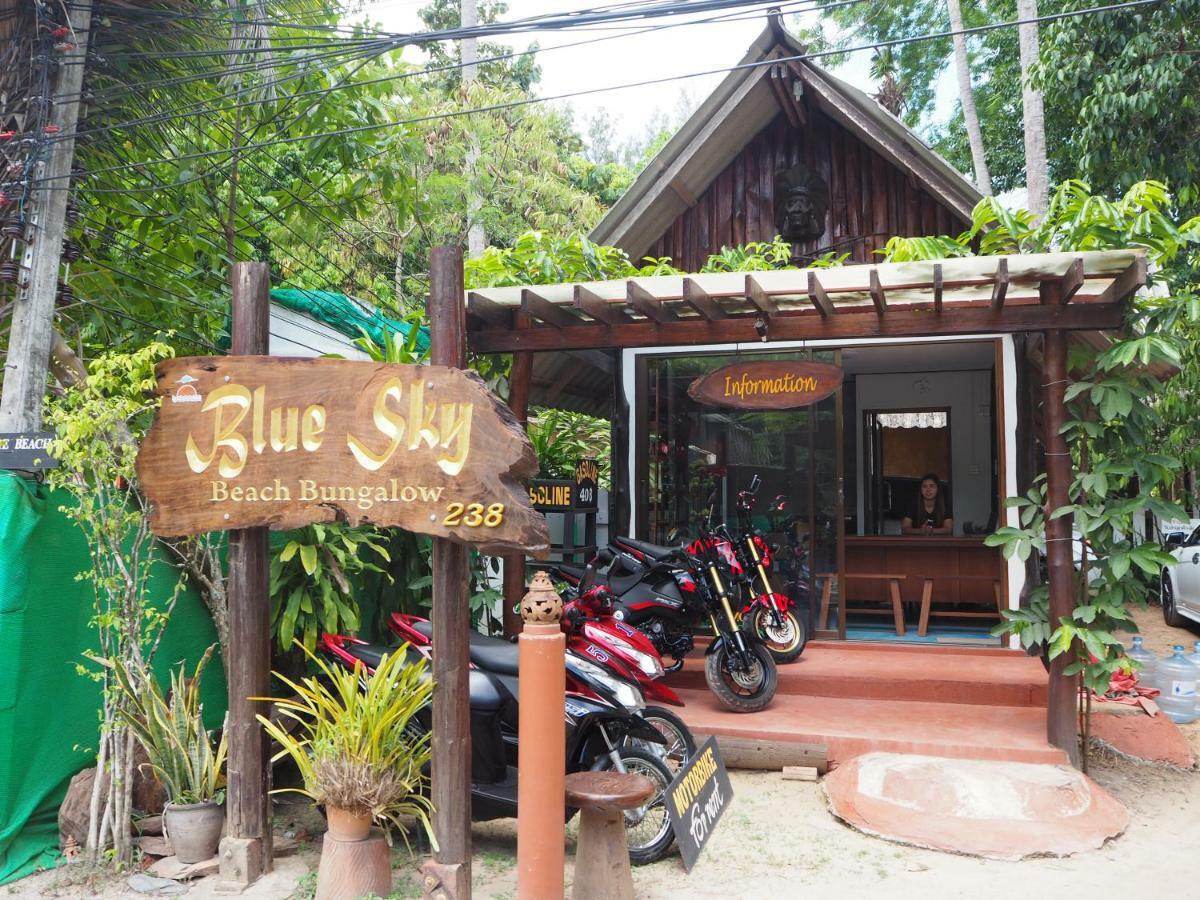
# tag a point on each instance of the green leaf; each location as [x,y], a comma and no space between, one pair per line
[308,557]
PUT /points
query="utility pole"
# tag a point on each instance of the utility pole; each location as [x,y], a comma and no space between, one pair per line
[32,333]
[476,240]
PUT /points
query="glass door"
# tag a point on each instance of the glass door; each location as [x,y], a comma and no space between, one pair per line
[694,450]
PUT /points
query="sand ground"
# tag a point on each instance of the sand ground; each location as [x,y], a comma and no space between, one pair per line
[778,839]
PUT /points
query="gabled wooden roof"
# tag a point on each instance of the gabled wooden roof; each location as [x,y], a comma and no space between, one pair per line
[970,295]
[745,102]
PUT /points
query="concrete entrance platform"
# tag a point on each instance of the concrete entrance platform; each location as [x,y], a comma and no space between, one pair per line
[967,703]
[999,810]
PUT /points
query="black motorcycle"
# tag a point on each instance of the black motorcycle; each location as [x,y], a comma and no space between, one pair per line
[601,735]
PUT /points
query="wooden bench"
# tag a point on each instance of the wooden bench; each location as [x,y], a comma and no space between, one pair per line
[927,601]
[893,584]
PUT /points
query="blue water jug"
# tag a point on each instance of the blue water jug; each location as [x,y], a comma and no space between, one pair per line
[1177,681]
[1145,674]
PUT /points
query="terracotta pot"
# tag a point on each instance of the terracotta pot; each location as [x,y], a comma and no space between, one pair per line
[354,868]
[194,830]
[347,826]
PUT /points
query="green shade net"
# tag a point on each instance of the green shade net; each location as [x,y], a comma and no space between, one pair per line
[340,313]
[49,712]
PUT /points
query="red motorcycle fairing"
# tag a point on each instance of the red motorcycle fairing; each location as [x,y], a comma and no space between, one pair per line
[724,549]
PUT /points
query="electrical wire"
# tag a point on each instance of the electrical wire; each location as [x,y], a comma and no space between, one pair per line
[1130,4]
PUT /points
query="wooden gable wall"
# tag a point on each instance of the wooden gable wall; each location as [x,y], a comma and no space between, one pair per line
[870,199]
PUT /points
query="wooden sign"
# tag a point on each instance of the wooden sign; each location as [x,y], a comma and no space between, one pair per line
[764,384]
[245,441]
[696,800]
[587,490]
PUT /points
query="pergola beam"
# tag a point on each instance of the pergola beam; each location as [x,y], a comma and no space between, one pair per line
[937,287]
[898,322]
[599,308]
[877,295]
[641,300]
[488,311]
[1000,285]
[699,300]
[543,310]
[758,297]
[818,297]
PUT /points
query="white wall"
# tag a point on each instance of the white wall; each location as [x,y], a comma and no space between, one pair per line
[969,398]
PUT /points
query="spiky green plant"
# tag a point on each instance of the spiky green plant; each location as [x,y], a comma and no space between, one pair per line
[172,731]
[352,741]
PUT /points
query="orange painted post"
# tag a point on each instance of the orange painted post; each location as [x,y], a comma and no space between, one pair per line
[541,786]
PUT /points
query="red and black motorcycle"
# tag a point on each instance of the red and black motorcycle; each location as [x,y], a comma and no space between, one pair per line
[666,592]
[771,613]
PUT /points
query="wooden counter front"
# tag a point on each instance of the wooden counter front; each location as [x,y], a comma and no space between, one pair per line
[919,557]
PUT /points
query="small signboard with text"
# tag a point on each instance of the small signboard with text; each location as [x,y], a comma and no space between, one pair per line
[552,494]
[697,799]
[587,484]
[26,450]
[766,384]
[247,441]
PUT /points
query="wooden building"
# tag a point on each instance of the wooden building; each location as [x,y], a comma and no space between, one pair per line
[715,182]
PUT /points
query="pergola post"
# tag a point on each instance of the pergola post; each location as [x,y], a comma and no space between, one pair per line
[448,875]
[1062,714]
[514,563]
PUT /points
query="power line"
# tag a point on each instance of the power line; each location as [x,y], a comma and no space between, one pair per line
[637,84]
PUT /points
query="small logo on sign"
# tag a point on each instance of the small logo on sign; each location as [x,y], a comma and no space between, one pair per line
[186,392]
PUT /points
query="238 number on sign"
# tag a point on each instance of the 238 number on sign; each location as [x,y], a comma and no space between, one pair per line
[472,515]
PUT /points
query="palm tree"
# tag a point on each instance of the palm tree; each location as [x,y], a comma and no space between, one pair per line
[1037,176]
[891,92]
[966,96]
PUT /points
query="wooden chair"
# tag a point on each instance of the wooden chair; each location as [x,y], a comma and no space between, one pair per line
[602,856]
[927,601]
[893,586]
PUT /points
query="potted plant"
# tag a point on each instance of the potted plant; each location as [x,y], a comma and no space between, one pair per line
[182,756]
[362,755]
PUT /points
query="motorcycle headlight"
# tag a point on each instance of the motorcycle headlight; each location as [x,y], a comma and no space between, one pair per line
[650,665]
[628,695]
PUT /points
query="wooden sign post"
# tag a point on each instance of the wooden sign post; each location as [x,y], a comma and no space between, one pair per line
[246,851]
[249,442]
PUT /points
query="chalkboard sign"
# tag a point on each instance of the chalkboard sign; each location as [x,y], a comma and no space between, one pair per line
[696,800]
[587,492]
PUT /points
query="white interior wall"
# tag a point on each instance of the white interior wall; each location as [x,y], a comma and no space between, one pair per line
[968,395]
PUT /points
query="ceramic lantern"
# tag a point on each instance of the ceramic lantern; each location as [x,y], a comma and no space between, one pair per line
[541,604]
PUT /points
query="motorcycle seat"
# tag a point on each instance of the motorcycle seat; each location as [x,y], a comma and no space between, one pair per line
[569,571]
[371,655]
[476,639]
[500,657]
[654,551]
[486,692]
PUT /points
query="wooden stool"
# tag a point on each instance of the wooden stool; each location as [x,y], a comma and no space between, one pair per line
[927,601]
[893,586]
[602,856]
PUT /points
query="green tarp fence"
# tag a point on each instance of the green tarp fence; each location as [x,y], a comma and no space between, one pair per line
[341,313]
[49,712]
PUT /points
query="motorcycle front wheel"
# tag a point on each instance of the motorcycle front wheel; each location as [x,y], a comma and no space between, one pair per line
[784,640]
[648,828]
[742,691]
[680,746]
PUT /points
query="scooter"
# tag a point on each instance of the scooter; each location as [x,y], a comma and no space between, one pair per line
[600,736]
[591,671]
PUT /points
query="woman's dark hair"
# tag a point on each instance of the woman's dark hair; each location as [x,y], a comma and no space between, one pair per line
[939,504]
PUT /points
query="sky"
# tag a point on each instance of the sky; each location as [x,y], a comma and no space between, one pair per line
[630,57]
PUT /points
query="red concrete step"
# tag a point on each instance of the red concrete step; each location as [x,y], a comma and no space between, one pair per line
[851,727]
[994,677]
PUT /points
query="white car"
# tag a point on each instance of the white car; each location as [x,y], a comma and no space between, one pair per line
[1179,588]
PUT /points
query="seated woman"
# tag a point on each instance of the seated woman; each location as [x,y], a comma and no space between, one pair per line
[930,516]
